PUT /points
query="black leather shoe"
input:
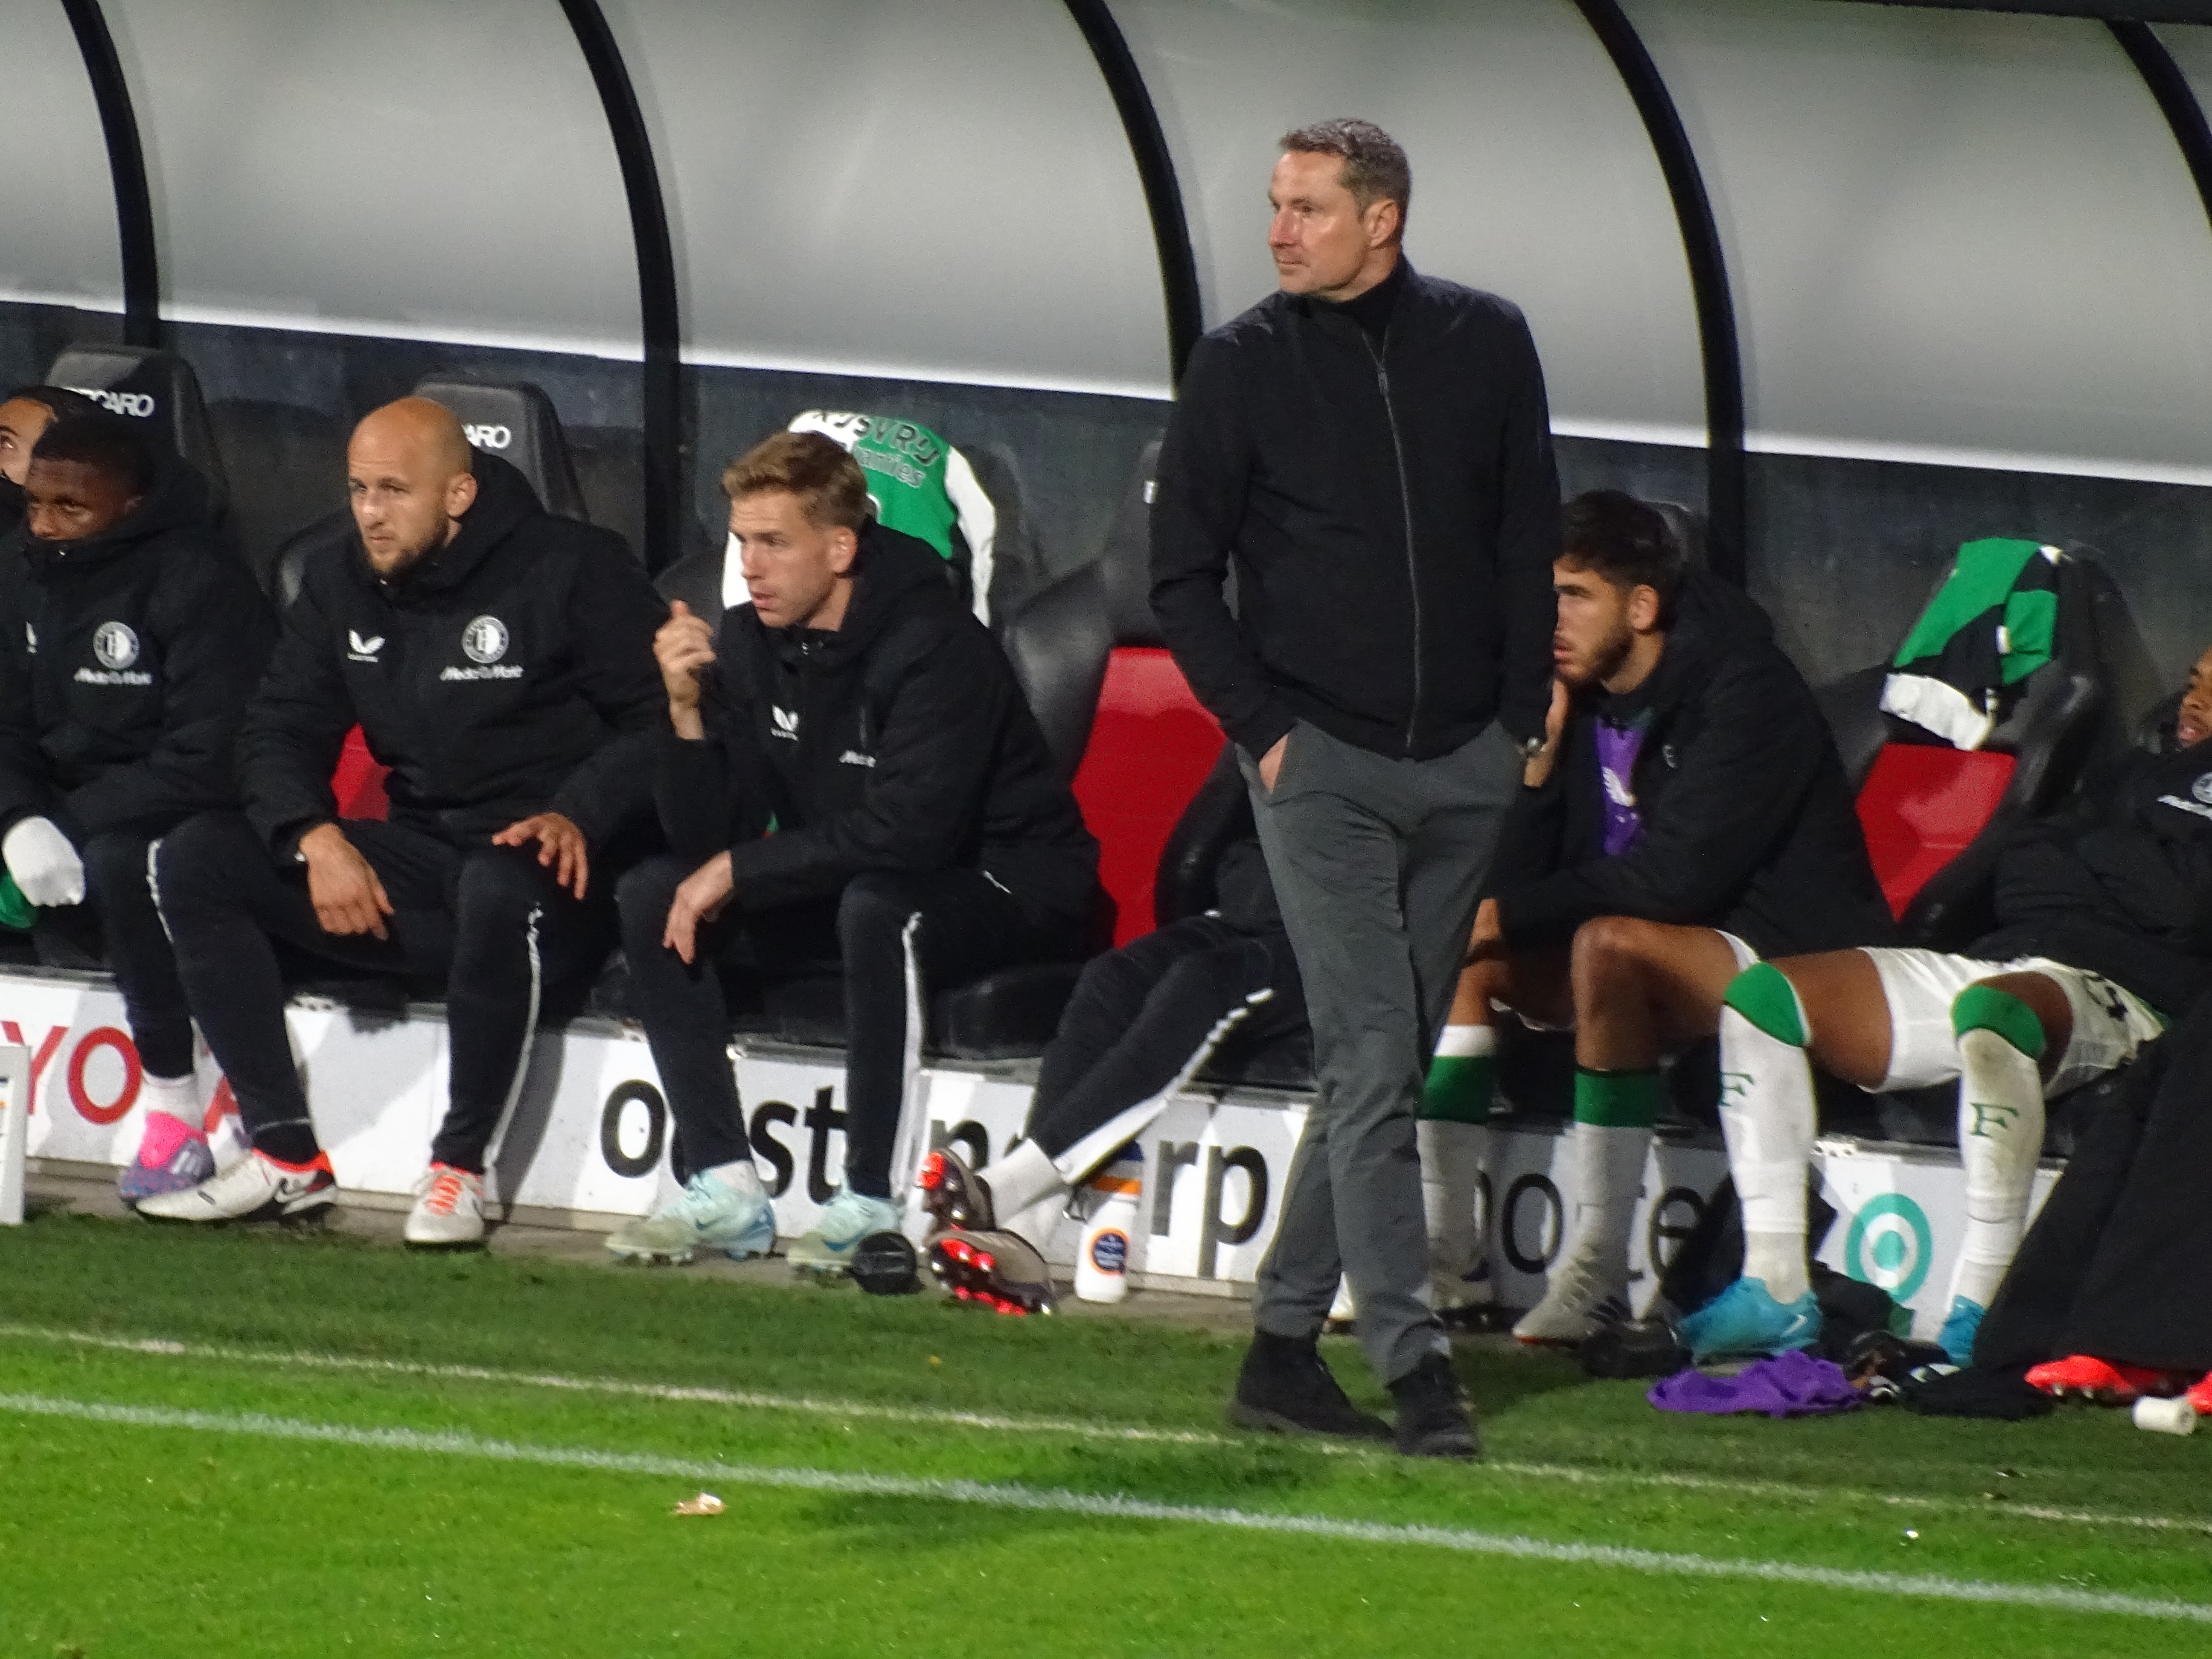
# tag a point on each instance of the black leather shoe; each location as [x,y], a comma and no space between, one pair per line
[1285,1387]
[1432,1414]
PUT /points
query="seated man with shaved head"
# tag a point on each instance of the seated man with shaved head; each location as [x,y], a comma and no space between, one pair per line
[491,653]
[129,642]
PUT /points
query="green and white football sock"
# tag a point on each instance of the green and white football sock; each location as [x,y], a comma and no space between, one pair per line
[1608,1145]
[2000,1119]
[1768,1118]
[1454,1132]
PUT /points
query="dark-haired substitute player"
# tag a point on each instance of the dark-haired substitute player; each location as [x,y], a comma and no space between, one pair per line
[130,640]
[490,652]
[2104,933]
[1687,814]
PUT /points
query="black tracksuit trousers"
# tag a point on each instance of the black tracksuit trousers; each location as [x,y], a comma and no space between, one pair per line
[489,920]
[1147,1015]
[119,926]
[967,925]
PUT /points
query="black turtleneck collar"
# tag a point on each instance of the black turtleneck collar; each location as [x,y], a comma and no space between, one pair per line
[1372,309]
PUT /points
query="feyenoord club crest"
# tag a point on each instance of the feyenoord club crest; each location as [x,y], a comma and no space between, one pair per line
[484,639]
[116,645]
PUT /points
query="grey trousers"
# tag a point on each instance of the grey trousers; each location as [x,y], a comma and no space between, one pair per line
[1377,864]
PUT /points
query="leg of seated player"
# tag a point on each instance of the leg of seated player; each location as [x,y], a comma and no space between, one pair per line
[1777,1019]
[1453,1127]
[1143,1018]
[2012,1029]
[723,1207]
[951,925]
[225,903]
[172,1150]
[516,931]
[1641,990]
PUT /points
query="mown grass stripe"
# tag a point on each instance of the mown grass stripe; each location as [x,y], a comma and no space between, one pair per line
[1115,1507]
[925,1417]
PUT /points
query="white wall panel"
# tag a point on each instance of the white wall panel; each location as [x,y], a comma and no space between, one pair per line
[428,169]
[934,188]
[1532,173]
[1953,236]
[56,207]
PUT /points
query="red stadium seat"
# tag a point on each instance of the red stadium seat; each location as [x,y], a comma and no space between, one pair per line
[358,783]
[1921,807]
[1151,744]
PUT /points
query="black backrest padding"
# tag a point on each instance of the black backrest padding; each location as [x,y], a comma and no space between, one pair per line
[696,579]
[1689,527]
[290,562]
[1219,813]
[1125,563]
[157,387]
[515,421]
[1058,646]
[290,472]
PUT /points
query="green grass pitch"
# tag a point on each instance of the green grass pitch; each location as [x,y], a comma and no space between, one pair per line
[247,1443]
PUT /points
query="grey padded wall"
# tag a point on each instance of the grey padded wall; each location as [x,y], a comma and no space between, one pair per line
[936,189]
[1953,236]
[58,241]
[1532,175]
[413,168]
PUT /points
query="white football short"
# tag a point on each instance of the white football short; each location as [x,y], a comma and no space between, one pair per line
[2110,1023]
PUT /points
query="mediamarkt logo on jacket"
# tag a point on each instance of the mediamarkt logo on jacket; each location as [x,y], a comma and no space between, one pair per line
[489,679]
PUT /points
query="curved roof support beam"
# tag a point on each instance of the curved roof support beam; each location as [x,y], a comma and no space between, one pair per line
[2176,101]
[666,506]
[1156,169]
[126,167]
[1726,509]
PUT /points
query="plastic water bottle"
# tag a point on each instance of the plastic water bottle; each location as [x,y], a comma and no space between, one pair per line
[1102,1267]
[2166,1416]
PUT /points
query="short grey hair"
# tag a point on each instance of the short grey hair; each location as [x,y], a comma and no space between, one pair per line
[1374,167]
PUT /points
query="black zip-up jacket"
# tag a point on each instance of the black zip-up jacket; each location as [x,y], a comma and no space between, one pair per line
[1392,512]
[2121,886]
[126,660]
[1748,821]
[898,741]
[489,679]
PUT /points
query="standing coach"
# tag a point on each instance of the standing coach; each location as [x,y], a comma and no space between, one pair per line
[1371,448]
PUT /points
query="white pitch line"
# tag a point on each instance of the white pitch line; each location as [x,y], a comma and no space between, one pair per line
[1563,1473]
[1117,1507]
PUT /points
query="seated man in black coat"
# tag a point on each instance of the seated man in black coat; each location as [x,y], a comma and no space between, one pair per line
[130,640]
[1687,816]
[2104,934]
[854,786]
[491,654]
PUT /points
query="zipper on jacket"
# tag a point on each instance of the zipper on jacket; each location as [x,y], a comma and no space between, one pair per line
[1405,502]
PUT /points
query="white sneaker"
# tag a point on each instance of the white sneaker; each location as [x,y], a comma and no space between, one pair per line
[708,1214]
[845,1220]
[255,1189]
[1582,1299]
[449,1209]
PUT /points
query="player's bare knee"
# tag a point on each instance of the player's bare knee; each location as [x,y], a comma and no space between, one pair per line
[1609,950]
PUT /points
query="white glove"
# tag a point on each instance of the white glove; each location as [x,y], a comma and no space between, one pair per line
[45,866]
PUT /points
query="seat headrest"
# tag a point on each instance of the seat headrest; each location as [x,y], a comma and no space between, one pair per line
[1689,527]
[1126,563]
[515,422]
[157,387]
